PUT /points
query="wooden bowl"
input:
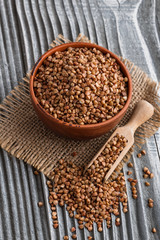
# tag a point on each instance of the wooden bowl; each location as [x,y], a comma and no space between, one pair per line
[72,130]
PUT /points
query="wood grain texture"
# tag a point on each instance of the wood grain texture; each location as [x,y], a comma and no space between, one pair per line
[128,28]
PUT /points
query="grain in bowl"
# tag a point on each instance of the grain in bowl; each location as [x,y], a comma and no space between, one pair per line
[81,86]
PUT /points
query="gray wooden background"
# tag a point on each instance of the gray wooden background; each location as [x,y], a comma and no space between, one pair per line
[27,27]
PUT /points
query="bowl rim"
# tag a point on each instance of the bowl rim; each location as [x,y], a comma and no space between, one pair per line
[62,47]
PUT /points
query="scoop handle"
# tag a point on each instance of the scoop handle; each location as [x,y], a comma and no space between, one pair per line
[142,112]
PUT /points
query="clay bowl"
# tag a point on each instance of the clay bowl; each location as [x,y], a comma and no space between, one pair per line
[72,130]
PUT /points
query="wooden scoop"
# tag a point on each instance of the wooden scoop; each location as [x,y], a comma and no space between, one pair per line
[142,112]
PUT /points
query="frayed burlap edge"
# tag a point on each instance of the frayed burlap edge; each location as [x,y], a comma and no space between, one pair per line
[41,148]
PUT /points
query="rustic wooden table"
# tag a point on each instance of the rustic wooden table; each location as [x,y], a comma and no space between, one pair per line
[27,27]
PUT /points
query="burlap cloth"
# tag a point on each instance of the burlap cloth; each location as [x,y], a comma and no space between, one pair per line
[24,136]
